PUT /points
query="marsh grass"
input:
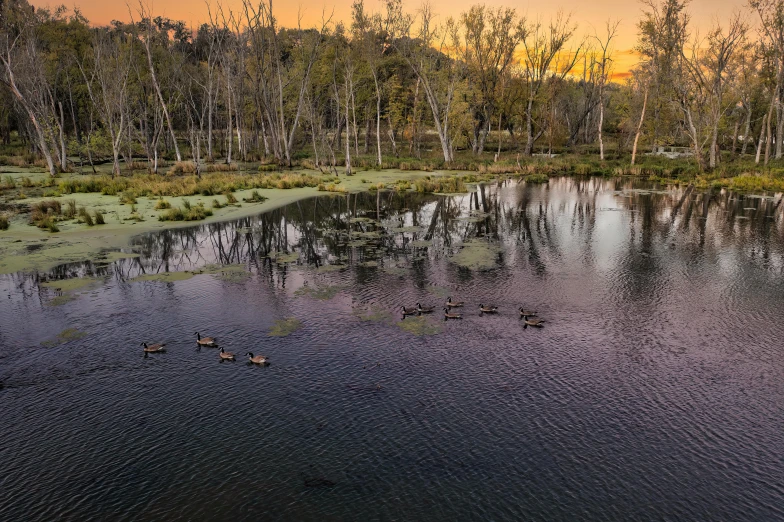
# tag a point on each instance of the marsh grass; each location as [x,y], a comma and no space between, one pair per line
[217,204]
[231,199]
[99,218]
[70,209]
[162,204]
[210,184]
[4,224]
[85,217]
[187,213]
[255,197]
[45,214]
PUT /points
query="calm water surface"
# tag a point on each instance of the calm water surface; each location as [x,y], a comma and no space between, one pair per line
[655,391]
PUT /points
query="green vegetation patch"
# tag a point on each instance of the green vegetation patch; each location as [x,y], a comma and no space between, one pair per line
[330,268]
[67,335]
[477,255]
[285,327]
[167,277]
[74,284]
[373,314]
[419,326]
[324,293]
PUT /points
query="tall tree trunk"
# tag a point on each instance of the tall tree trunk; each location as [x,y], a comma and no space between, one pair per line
[162,102]
[378,116]
[761,139]
[639,125]
[747,133]
[601,121]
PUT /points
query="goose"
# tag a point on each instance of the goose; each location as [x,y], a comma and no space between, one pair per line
[526,313]
[409,311]
[425,309]
[453,304]
[206,341]
[450,315]
[258,359]
[533,322]
[154,347]
[487,309]
[226,355]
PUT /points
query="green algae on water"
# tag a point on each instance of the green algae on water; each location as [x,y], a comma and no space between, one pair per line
[285,327]
[69,334]
[166,277]
[73,284]
[324,293]
[373,314]
[284,257]
[477,255]
[419,326]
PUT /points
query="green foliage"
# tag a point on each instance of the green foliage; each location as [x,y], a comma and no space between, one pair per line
[255,197]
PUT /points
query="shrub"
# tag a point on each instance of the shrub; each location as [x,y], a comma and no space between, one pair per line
[27,182]
[4,222]
[9,183]
[186,204]
[99,218]
[217,204]
[183,167]
[162,204]
[230,198]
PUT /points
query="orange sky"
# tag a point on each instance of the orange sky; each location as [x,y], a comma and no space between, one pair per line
[589,14]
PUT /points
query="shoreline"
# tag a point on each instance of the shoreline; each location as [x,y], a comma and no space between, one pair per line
[26,248]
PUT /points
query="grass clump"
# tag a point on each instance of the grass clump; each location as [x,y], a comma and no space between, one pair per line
[99,218]
[217,204]
[255,197]
[331,188]
[187,213]
[162,204]
[128,198]
[70,209]
[4,222]
[230,198]
[45,214]
[84,217]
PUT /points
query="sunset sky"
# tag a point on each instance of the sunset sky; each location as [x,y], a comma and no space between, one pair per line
[588,14]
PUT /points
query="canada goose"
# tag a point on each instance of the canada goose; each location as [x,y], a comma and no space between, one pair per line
[453,304]
[450,315]
[258,359]
[533,322]
[154,347]
[226,355]
[409,311]
[206,341]
[487,309]
[425,309]
[526,313]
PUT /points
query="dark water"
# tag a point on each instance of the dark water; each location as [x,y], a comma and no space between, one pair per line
[655,391]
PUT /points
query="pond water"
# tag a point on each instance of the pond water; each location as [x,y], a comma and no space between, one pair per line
[654,391]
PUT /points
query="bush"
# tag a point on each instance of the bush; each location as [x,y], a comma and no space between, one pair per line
[230,198]
[99,218]
[183,167]
[4,222]
[162,204]
[128,198]
[186,204]
[217,204]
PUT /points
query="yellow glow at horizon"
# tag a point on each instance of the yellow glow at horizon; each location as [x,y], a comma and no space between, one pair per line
[589,16]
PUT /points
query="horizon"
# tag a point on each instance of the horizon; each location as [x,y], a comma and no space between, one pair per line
[704,13]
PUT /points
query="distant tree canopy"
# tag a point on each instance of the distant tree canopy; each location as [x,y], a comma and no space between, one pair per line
[390,83]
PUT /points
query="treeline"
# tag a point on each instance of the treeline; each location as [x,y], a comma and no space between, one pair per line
[489,81]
